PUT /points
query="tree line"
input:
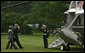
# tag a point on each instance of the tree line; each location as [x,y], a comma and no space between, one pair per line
[50,13]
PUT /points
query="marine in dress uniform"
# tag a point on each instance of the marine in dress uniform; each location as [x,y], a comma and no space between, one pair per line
[45,36]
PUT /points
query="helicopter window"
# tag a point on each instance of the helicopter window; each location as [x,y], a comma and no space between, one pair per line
[73,5]
[77,21]
[80,4]
[80,21]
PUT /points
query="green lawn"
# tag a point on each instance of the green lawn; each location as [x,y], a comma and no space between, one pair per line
[33,43]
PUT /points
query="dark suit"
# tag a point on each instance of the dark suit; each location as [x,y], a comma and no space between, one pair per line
[16,39]
[10,36]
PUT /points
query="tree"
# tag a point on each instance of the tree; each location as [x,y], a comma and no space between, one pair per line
[8,19]
[50,13]
[26,30]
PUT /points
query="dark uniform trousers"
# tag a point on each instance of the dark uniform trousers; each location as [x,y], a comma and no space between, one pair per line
[17,41]
[12,43]
[45,41]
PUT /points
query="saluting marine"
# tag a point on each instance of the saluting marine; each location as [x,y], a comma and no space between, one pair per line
[45,36]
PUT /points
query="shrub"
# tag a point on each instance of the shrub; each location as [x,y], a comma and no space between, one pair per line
[26,30]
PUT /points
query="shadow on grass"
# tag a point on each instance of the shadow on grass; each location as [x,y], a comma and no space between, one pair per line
[71,49]
[77,49]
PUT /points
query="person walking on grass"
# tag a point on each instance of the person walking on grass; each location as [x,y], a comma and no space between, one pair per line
[16,30]
[10,38]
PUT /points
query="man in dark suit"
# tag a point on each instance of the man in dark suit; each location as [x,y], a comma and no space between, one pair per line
[15,30]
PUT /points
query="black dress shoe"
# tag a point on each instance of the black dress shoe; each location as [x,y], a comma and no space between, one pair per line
[10,48]
[16,48]
[21,47]
[6,48]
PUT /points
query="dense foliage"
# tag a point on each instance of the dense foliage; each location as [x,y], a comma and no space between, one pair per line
[50,13]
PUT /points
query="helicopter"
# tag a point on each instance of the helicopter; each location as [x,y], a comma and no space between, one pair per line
[72,33]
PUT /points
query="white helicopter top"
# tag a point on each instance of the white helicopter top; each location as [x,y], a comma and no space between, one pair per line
[76,6]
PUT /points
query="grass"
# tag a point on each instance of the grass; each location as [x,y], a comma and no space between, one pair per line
[34,43]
